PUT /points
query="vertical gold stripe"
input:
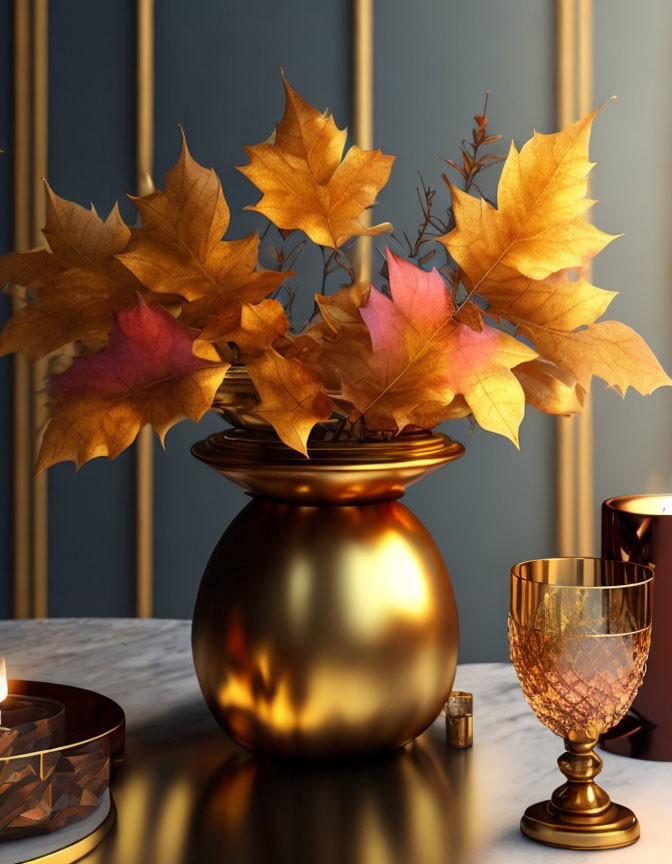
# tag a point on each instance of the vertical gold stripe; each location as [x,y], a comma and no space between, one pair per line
[585,57]
[585,467]
[145,447]
[576,516]
[566,62]
[22,383]
[566,442]
[39,170]
[144,597]
[566,489]
[363,108]
[145,97]
[40,116]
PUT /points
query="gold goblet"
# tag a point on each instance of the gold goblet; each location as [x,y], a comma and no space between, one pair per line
[579,631]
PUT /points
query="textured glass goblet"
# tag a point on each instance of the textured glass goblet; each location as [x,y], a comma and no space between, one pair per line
[579,632]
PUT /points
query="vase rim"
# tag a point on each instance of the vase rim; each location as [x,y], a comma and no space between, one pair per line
[242,445]
[336,472]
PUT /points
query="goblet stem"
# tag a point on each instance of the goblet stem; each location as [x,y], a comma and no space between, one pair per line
[580,795]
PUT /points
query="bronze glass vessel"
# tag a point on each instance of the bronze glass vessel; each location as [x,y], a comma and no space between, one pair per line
[579,631]
[638,528]
[55,767]
[325,624]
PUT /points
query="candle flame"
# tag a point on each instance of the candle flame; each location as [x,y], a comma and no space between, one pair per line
[3,680]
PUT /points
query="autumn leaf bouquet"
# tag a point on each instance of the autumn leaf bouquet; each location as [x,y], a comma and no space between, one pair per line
[151,319]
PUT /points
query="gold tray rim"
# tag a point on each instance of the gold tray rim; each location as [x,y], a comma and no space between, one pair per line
[54,690]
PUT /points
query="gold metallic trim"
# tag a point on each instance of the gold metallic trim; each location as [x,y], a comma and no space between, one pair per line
[21,373]
[566,445]
[585,469]
[40,514]
[566,61]
[144,489]
[145,96]
[566,485]
[363,109]
[30,164]
[585,37]
[575,486]
[114,718]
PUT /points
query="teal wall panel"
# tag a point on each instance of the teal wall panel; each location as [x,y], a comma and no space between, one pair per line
[434,62]
[632,181]
[92,158]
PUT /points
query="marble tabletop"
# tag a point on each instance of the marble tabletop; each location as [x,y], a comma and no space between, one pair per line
[187,794]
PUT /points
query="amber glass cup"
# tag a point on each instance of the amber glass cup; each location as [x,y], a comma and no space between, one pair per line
[579,631]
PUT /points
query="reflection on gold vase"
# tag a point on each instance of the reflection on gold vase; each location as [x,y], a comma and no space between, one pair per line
[579,631]
[325,624]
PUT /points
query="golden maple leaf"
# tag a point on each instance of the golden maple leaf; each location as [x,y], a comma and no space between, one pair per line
[147,374]
[550,388]
[306,184]
[517,258]
[179,250]
[539,226]
[77,285]
[291,392]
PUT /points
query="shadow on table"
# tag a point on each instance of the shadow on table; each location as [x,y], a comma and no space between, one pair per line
[191,721]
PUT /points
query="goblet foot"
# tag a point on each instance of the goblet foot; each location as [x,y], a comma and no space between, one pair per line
[580,814]
[616,826]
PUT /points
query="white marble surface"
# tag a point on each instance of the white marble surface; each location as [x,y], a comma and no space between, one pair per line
[187,794]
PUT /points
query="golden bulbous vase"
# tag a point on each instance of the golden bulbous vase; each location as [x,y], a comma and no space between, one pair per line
[325,624]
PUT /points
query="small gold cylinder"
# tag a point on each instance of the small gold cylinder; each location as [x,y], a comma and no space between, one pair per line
[460,719]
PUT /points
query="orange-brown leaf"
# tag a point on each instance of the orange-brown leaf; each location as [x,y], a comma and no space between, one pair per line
[260,327]
[304,183]
[609,350]
[77,286]
[291,392]
[548,388]
[556,303]
[292,397]
[340,342]
[147,374]
[179,250]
